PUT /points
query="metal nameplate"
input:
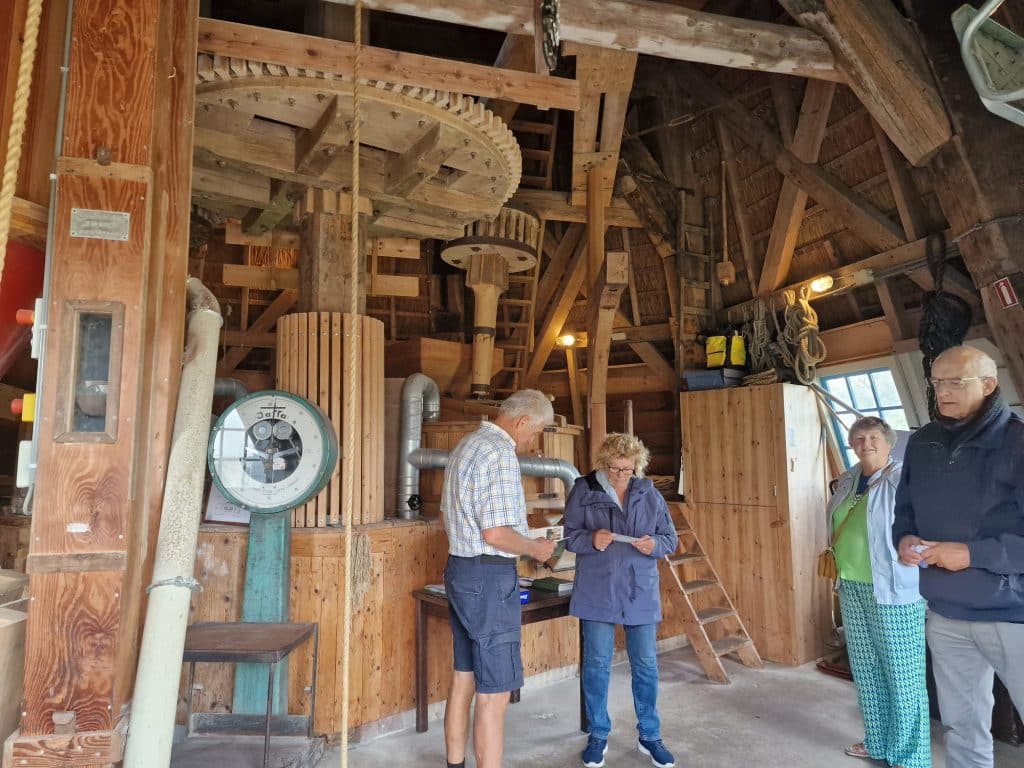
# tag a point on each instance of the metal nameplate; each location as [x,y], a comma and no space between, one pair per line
[100,225]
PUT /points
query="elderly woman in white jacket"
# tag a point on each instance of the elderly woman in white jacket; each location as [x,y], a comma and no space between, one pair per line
[883,612]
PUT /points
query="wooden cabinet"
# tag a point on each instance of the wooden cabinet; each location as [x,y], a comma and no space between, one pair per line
[755,479]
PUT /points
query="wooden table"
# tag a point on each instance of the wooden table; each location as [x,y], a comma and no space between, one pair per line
[253,642]
[542,606]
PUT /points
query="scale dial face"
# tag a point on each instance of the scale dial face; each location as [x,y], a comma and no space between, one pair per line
[272,451]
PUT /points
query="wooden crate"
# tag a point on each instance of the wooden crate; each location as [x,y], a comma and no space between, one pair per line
[755,480]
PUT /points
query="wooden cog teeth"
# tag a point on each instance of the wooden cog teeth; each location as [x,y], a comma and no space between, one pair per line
[502,142]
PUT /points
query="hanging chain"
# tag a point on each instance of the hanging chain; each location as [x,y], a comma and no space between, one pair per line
[552,34]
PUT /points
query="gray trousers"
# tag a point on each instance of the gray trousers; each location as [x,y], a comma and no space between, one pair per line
[964,656]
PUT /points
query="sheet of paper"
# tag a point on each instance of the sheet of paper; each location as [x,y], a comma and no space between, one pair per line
[623,538]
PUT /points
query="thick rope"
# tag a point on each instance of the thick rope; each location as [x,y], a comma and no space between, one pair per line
[354,349]
[19,116]
[801,335]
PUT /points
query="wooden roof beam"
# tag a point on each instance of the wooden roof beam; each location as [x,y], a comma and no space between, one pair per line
[553,205]
[789,213]
[272,46]
[902,259]
[643,26]
[862,218]
[318,147]
[879,54]
[265,322]
[561,306]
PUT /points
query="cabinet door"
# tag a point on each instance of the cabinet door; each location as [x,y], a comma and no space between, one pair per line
[729,445]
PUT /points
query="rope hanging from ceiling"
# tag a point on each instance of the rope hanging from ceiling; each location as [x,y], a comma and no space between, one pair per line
[946,317]
[19,116]
[350,405]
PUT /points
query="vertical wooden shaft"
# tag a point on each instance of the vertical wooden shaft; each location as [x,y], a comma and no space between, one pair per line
[487,277]
[485,315]
[595,224]
[627,417]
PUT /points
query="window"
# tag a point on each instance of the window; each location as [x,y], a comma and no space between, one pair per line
[871,392]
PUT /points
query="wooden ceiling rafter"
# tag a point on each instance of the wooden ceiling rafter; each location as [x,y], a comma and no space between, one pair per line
[879,54]
[789,212]
[304,52]
[643,26]
[860,217]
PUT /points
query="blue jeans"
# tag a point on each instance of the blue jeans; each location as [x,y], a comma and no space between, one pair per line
[598,647]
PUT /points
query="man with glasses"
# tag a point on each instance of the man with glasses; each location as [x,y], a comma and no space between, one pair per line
[484,514]
[960,517]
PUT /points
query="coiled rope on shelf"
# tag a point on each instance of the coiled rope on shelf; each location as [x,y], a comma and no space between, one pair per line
[760,341]
[19,116]
[801,335]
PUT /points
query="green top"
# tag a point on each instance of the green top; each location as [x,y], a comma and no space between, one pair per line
[852,556]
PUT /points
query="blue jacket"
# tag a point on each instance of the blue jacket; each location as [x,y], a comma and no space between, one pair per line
[619,585]
[894,582]
[964,482]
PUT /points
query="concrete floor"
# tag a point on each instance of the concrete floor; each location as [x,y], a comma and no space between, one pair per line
[777,716]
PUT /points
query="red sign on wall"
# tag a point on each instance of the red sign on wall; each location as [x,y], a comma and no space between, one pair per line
[1004,291]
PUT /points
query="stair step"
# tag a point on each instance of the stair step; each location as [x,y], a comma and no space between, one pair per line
[511,324]
[517,302]
[686,557]
[698,585]
[536,154]
[530,126]
[511,346]
[538,181]
[714,614]
[524,279]
[729,644]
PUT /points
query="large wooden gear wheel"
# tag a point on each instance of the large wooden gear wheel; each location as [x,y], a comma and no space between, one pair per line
[431,161]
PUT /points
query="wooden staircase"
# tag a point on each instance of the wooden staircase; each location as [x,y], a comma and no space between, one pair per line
[710,620]
[515,325]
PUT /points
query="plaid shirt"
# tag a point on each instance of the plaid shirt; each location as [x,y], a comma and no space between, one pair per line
[483,488]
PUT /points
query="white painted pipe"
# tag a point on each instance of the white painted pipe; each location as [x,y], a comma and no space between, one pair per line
[151,727]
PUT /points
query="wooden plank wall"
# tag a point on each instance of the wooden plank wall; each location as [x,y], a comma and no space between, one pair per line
[313,362]
[406,555]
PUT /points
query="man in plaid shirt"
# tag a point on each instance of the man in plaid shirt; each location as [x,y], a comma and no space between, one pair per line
[485,517]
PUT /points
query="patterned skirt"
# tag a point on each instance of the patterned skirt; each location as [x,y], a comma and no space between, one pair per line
[886,646]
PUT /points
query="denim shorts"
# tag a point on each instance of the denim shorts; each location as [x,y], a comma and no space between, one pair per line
[486,621]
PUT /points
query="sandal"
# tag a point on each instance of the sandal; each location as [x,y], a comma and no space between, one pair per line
[858,750]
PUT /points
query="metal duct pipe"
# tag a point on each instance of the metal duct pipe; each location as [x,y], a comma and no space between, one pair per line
[232,388]
[421,401]
[531,466]
[538,466]
[163,639]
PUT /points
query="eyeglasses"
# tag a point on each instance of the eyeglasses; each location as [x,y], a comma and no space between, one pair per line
[622,470]
[955,384]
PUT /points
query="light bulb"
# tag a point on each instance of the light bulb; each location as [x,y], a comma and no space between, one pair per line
[567,340]
[822,284]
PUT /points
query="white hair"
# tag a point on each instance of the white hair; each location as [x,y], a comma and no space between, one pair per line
[528,402]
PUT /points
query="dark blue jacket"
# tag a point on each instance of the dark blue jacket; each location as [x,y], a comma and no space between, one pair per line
[964,482]
[619,585]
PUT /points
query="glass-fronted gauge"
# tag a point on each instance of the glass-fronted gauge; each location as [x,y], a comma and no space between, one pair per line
[272,451]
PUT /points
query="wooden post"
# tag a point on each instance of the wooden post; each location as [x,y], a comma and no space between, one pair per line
[604,303]
[100,478]
[324,275]
[595,223]
[488,279]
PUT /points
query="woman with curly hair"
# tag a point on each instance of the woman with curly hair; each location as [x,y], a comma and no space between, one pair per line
[619,526]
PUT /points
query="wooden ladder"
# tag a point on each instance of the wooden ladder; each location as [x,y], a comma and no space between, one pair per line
[710,620]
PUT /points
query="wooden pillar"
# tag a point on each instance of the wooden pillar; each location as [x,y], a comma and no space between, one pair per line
[487,277]
[595,223]
[118,274]
[604,302]
[977,182]
[325,273]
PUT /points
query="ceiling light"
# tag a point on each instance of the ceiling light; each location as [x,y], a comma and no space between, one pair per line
[567,340]
[822,284]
